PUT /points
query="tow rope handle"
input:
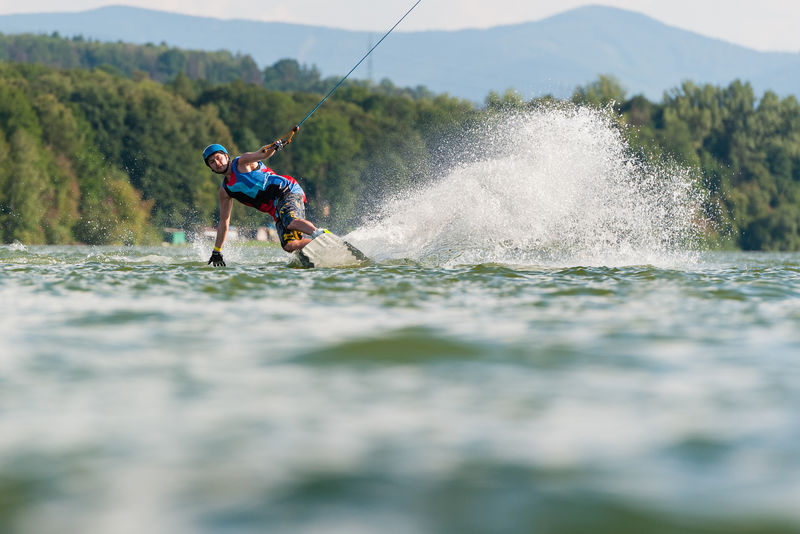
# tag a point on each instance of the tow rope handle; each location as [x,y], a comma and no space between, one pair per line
[284,139]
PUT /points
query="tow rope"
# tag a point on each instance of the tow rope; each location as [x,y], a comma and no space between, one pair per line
[287,138]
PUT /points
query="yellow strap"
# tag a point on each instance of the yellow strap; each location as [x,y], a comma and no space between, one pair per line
[288,137]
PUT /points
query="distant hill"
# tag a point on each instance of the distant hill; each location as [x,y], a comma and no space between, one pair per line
[160,62]
[553,55]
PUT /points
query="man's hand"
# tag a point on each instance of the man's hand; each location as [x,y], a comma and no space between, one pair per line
[216,259]
[277,145]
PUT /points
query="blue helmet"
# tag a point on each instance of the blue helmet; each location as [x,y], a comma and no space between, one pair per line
[211,150]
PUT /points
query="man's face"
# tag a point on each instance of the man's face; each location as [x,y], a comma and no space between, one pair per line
[218,162]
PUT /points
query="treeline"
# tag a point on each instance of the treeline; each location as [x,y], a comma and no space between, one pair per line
[158,62]
[162,63]
[95,157]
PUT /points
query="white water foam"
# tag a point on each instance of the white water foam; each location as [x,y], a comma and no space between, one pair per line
[556,186]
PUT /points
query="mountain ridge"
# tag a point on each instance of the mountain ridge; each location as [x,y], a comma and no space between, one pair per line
[549,56]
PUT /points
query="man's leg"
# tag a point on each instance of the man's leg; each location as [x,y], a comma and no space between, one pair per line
[292,224]
[296,244]
[302,225]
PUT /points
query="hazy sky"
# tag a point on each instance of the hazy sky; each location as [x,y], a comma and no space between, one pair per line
[762,24]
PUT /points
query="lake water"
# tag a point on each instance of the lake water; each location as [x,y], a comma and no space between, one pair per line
[540,345]
[141,390]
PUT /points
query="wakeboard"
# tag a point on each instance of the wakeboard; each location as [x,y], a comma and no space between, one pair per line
[329,250]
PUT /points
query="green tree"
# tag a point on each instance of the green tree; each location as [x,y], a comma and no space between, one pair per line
[27,190]
[601,93]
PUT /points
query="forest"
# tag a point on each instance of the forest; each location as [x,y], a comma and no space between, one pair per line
[100,142]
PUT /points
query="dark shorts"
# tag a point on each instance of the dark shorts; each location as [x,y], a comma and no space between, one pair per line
[287,209]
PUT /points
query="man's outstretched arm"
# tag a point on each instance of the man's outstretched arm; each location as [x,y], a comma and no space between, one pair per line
[266,151]
[225,207]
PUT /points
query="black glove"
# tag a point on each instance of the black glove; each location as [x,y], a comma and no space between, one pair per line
[216,259]
[277,145]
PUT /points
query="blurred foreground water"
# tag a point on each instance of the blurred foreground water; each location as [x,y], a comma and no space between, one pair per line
[141,390]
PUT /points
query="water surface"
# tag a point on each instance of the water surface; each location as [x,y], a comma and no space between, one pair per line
[143,390]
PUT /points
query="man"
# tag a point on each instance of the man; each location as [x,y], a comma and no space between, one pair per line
[252,183]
